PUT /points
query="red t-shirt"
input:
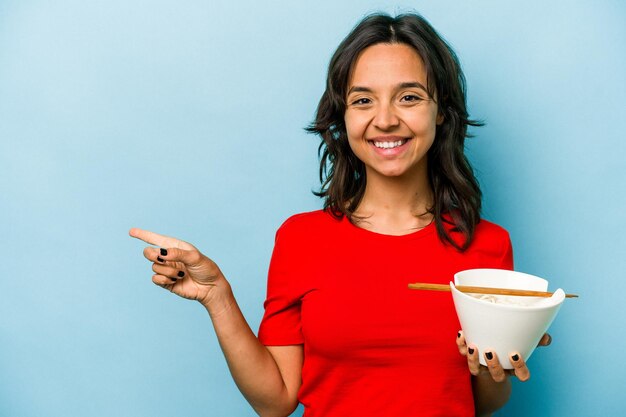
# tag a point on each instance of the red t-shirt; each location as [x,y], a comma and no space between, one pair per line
[372,347]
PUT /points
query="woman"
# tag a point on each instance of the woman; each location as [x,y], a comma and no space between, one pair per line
[341,333]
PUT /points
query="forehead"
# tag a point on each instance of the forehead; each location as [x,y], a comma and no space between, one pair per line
[384,62]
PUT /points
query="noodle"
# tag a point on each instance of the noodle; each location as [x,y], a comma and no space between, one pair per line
[505,300]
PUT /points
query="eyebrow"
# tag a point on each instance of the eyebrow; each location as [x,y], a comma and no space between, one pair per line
[413,84]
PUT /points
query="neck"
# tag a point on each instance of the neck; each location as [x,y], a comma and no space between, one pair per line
[395,205]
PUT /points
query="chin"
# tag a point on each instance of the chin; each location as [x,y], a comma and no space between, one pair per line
[393,173]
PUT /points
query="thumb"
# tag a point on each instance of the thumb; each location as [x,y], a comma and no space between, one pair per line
[545,340]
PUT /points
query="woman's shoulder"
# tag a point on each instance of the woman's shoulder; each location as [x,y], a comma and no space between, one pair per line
[488,228]
[309,221]
[491,235]
[492,245]
[307,230]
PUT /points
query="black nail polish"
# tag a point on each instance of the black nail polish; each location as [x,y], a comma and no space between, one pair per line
[181,274]
[160,259]
[489,356]
[458,335]
[172,279]
[471,351]
[163,252]
[515,358]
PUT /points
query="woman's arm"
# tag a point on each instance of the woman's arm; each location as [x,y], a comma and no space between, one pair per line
[268,377]
[490,384]
[490,392]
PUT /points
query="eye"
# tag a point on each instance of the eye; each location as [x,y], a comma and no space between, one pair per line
[411,98]
[360,101]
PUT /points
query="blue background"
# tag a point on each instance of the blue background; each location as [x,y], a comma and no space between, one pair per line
[185,117]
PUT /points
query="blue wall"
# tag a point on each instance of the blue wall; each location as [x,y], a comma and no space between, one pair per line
[186,117]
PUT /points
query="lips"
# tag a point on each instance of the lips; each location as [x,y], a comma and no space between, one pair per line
[388,143]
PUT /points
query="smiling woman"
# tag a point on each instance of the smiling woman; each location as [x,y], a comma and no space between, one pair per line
[400,201]
[390,119]
[386,78]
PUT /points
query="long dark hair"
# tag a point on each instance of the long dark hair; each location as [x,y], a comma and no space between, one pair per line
[457,195]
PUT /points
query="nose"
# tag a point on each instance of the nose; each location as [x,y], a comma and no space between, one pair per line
[385,117]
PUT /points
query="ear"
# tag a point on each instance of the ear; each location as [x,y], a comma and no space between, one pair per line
[440,119]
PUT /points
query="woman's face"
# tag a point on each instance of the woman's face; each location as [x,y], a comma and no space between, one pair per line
[390,119]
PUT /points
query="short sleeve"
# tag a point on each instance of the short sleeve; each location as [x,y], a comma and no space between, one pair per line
[281,324]
[506,258]
[492,246]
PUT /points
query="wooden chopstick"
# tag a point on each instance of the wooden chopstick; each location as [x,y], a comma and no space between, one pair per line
[484,290]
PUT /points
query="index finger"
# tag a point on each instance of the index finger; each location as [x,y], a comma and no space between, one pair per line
[157,239]
[519,365]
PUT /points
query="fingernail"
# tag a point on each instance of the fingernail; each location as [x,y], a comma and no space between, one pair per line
[489,355]
[160,259]
[471,351]
[515,357]
[172,279]
[163,252]
[458,334]
[181,274]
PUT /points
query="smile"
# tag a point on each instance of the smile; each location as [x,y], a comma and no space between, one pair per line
[389,144]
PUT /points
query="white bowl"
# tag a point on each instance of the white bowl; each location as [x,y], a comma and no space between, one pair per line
[515,323]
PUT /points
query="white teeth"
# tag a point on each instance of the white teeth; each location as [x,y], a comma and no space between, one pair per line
[388,145]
